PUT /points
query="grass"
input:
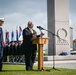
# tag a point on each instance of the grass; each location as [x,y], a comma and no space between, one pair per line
[20,70]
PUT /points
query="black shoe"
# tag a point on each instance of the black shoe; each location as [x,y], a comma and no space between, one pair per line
[28,69]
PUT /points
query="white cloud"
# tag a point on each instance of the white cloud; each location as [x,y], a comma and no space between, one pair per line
[14,18]
[12,21]
[40,19]
[0,11]
[18,19]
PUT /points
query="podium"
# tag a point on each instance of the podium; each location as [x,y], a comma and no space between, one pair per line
[40,42]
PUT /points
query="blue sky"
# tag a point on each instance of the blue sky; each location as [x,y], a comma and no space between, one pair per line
[19,12]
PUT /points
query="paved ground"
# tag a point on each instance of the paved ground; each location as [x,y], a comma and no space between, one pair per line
[71,64]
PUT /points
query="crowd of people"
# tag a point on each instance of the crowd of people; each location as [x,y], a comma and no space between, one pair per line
[13,52]
[13,48]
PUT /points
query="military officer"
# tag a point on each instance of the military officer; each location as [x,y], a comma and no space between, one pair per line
[1,42]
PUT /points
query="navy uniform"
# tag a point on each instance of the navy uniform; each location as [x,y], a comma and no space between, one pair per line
[1,44]
[19,48]
[16,50]
[5,52]
[12,48]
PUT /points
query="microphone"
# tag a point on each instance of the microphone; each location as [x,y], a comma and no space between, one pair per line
[39,27]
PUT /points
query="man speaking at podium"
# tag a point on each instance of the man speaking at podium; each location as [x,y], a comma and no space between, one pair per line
[1,42]
[30,49]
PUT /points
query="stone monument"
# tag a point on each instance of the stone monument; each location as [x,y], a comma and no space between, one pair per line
[58,23]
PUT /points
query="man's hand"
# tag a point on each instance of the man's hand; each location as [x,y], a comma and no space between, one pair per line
[42,34]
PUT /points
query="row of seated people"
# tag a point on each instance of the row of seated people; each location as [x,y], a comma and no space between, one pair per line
[13,48]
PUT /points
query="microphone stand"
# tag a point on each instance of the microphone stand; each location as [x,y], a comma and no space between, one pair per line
[53,35]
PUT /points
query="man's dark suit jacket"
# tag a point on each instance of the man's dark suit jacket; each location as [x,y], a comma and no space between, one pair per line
[27,42]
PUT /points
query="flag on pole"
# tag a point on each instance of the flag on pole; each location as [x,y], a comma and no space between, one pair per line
[7,37]
[16,35]
[12,36]
[20,31]
[20,34]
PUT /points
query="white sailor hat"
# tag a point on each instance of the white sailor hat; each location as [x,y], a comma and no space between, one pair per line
[2,19]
